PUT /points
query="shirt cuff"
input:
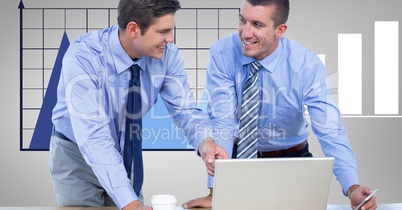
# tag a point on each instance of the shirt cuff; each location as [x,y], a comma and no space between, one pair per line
[200,136]
[211,180]
[348,179]
[123,196]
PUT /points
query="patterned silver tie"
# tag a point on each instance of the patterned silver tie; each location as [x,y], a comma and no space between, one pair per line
[247,146]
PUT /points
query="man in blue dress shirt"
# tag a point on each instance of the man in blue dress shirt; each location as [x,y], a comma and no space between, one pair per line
[89,118]
[291,78]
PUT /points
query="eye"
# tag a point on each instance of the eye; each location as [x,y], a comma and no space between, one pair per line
[258,24]
[241,19]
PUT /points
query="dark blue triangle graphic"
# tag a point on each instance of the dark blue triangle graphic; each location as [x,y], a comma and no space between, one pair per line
[43,129]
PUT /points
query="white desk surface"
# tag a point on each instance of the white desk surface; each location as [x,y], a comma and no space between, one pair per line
[392,206]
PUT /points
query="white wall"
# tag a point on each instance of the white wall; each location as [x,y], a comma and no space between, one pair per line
[24,176]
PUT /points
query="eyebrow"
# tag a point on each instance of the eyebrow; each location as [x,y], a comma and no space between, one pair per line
[252,21]
[165,30]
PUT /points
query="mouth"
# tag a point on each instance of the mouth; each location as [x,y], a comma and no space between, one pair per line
[161,46]
[249,43]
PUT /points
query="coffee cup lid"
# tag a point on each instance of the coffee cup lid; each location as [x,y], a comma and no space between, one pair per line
[163,199]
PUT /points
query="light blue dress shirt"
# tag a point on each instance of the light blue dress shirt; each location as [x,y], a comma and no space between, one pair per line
[92,95]
[291,79]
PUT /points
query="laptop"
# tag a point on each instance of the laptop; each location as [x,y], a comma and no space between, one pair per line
[274,183]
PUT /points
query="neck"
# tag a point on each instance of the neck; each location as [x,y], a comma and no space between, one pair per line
[127,44]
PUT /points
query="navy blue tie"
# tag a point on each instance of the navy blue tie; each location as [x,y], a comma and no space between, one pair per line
[133,142]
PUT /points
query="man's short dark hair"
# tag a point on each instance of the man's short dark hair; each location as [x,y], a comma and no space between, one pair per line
[282,9]
[144,12]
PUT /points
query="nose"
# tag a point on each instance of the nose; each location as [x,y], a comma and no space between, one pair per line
[247,31]
[170,37]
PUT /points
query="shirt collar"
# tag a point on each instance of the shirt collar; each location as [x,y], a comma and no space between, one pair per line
[268,62]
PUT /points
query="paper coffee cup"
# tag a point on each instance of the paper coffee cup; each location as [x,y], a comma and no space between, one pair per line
[163,202]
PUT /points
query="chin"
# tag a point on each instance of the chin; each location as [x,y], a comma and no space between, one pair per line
[157,56]
[247,53]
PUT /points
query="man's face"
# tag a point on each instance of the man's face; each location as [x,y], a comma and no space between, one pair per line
[155,39]
[257,34]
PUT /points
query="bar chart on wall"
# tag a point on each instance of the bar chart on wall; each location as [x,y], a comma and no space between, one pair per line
[46,34]
[386,70]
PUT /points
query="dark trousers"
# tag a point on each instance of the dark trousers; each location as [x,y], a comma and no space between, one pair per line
[302,153]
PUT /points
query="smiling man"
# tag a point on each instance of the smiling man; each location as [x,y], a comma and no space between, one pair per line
[259,84]
[109,80]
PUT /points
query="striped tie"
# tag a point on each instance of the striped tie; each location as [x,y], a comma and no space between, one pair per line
[247,146]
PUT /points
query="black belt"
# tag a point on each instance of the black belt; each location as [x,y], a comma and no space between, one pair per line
[278,153]
[60,135]
[291,150]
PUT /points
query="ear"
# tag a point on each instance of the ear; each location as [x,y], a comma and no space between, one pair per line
[133,29]
[280,30]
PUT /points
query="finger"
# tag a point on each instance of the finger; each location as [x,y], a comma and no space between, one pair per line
[190,204]
[199,202]
[371,203]
[373,207]
[222,154]
[211,170]
[210,162]
[365,191]
[208,156]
